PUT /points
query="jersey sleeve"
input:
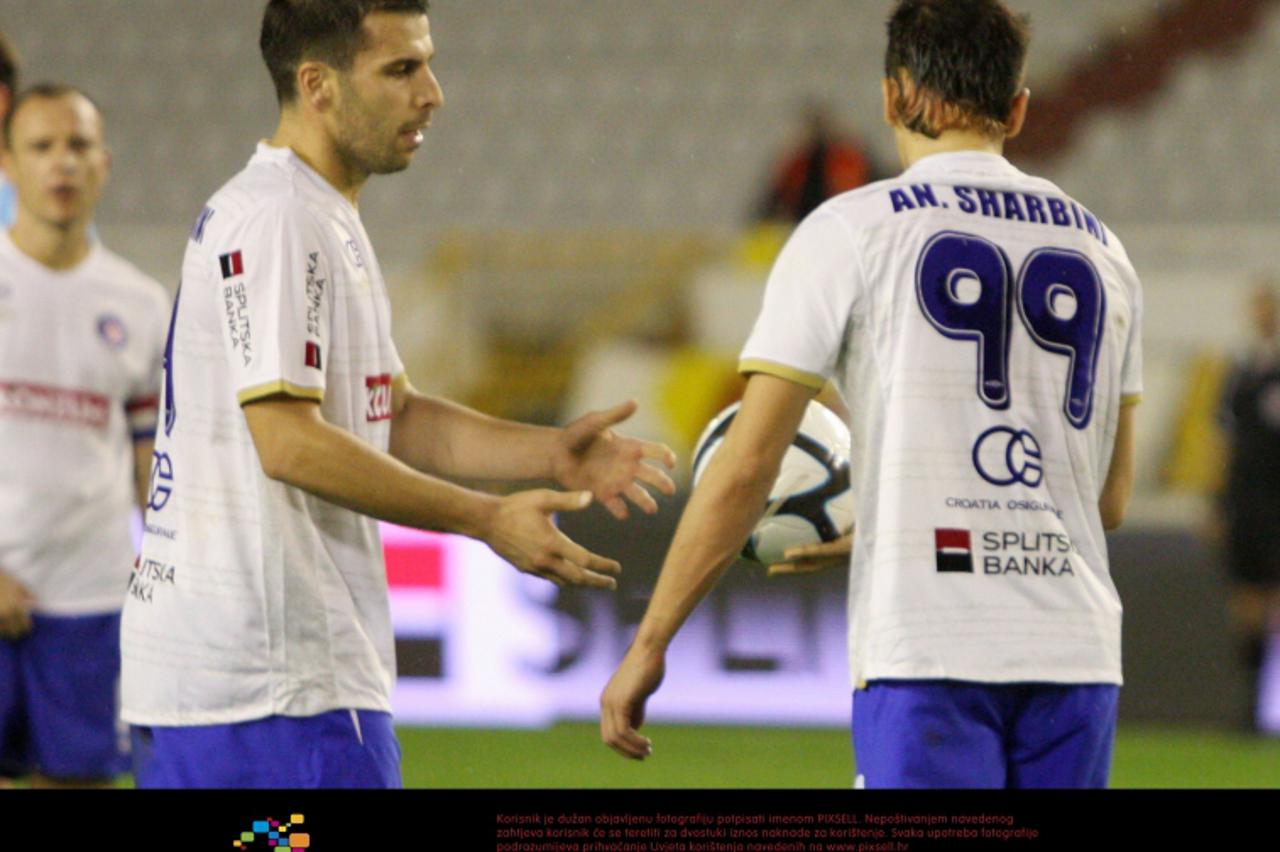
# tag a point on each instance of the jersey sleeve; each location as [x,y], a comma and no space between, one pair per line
[801,327]
[399,376]
[1131,371]
[275,296]
[142,406]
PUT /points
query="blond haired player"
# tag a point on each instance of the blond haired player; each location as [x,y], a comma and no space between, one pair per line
[984,328]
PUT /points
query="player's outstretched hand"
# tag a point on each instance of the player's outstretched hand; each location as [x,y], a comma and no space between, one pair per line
[524,534]
[15,608]
[814,557]
[593,457]
[622,703]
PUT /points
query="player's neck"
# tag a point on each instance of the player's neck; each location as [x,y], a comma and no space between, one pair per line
[318,152]
[54,246]
[913,147]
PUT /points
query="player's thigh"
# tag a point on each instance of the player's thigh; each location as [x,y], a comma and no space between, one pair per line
[928,734]
[1062,736]
[70,668]
[341,748]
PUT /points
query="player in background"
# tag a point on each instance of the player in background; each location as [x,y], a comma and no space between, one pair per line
[81,340]
[984,329]
[8,88]
[1249,506]
[258,648]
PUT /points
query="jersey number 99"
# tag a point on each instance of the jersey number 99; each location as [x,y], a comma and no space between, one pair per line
[1050,280]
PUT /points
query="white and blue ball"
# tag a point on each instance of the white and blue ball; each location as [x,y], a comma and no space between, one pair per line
[811,501]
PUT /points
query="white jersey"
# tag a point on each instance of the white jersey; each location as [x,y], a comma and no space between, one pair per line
[254,598]
[80,354]
[984,329]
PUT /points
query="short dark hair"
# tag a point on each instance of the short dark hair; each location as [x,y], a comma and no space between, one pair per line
[957,64]
[332,31]
[49,91]
[8,65]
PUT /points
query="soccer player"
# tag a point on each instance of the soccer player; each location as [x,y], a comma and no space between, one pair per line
[8,87]
[81,339]
[984,328]
[258,648]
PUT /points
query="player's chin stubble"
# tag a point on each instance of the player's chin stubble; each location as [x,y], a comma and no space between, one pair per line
[360,146]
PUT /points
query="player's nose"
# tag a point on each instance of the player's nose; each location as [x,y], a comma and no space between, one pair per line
[432,93]
[68,159]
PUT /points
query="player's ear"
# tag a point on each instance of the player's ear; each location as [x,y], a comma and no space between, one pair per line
[889,89]
[1018,113]
[315,84]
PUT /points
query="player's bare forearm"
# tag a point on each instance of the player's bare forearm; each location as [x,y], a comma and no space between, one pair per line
[446,439]
[298,447]
[726,504]
[142,449]
[721,513]
[718,519]
[1114,502]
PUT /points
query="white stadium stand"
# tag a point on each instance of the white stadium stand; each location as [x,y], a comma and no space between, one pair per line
[561,112]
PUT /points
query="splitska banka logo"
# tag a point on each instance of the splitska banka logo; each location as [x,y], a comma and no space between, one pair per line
[271,834]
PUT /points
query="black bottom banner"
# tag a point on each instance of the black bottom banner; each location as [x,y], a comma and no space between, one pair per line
[632,820]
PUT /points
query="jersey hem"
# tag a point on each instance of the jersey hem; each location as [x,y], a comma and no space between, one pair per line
[76,610]
[782,371]
[186,720]
[1076,677]
[257,392]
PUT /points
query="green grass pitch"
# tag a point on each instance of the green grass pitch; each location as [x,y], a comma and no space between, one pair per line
[571,755]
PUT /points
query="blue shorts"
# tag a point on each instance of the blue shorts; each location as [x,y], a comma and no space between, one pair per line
[941,733]
[341,748]
[59,687]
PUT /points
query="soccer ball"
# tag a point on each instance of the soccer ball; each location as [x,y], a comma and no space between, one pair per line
[811,501]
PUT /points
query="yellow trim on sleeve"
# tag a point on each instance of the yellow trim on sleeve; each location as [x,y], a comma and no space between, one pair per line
[279,387]
[1130,399]
[400,381]
[791,374]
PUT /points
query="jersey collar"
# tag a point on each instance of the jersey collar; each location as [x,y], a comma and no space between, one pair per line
[289,159]
[9,248]
[975,163]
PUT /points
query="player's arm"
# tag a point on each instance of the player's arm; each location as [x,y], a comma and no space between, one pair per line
[1114,501]
[140,413]
[722,510]
[142,449]
[298,447]
[446,439]
[15,608]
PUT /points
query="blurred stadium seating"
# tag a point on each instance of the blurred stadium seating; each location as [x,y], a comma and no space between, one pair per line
[569,114]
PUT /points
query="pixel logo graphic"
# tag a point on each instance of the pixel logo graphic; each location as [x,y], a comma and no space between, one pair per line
[270,834]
